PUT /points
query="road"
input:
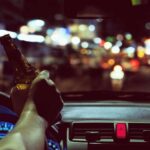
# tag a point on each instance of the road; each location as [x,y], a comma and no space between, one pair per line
[132,82]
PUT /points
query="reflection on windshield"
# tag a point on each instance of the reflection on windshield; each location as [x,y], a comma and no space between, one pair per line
[83,55]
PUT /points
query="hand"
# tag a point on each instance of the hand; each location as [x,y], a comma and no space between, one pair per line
[43,93]
[20,95]
[19,98]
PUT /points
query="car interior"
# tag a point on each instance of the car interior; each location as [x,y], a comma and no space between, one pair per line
[98,113]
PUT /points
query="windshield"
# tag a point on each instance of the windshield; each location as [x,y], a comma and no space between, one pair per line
[108,52]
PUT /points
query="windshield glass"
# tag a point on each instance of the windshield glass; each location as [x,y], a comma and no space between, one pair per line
[111,52]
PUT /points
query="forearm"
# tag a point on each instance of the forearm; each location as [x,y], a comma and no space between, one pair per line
[13,141]
[28,134]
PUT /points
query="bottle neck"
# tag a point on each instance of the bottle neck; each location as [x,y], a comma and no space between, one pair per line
[24,72]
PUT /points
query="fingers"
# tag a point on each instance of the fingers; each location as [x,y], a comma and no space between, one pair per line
[18,98]
[21,92]
[43,75]
[47,99]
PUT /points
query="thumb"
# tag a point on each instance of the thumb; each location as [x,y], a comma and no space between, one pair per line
[43,75]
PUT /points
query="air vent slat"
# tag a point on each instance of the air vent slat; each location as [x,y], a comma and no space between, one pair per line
[101,133]
[79,131]
[136,130]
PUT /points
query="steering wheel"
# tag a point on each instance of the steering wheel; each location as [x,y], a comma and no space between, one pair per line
[7,117]
[6,109]
[5,101]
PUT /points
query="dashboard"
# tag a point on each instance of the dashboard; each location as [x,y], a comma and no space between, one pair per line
[96,124]
[103,125]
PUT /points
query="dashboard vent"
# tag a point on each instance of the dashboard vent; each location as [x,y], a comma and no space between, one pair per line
[136,130]
[99,131]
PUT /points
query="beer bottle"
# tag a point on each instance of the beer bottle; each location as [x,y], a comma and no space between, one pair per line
[24,72]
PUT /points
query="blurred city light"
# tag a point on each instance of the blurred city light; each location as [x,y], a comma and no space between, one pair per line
[73,28]
[59,17]
[140,51]
[99,19]
[12,34]
[128,36]
[147,46]
[84,51]
[119,43]
[82,27]
[97,40]
[115,49]
[117,68]
[117,73]
[130,51]
[147,42]
[60,36]
[24,29]
[107,45]
[147,51]
[49,31]
[111,62]
[31,38]
[101,43]
[36,23]
[84,44]
[92,28]
[48,40]
[119,37]
[135,64]
[147,25]
[75,40]
[110,39]
[136,2]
